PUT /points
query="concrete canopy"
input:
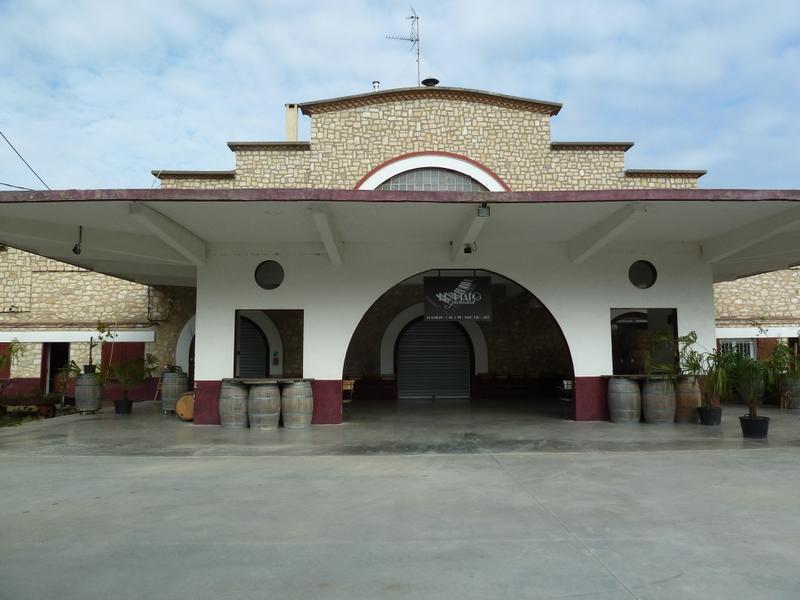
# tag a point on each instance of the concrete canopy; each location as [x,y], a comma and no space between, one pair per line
[161,236]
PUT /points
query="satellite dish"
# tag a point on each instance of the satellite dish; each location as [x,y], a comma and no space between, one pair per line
[430,82]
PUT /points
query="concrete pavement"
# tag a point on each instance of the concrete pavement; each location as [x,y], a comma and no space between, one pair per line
[83,518]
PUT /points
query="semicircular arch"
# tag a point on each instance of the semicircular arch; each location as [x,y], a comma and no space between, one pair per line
[432,160]
[414,312]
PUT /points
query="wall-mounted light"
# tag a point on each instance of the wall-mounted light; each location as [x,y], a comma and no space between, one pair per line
[76,249]
[484,210]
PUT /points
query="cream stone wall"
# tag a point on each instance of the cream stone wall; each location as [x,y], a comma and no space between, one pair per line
[347,144]
[29,363]
[761,300]
[37,290]
[172,307]
[196,183]
[37,293]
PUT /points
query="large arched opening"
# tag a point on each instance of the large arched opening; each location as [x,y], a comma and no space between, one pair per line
[513,359]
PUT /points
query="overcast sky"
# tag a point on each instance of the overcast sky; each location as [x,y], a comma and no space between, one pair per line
[96,93]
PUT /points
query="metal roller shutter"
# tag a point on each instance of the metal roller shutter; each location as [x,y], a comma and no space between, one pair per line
[433,361]
[253,350]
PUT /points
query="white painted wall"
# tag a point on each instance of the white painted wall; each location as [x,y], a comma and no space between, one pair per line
[335,298]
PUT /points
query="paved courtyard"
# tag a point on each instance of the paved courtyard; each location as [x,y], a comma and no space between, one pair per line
[443,504]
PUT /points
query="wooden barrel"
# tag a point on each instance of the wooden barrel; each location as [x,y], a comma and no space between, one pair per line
[233,405]
[297,404]
[624,400]
[687,399]
[173,384]
[790,392]
[88,393]
[658,401]
[184,407]
[264,406]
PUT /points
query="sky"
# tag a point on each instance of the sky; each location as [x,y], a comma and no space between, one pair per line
[96,94]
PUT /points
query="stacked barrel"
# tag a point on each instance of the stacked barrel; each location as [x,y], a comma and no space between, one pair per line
[261,405]
[657,401]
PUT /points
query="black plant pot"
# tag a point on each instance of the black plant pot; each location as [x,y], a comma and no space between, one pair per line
[709,415]
[123,407]
[754,427]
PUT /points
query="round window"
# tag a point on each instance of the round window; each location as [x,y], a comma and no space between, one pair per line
[269,274]
[642,274]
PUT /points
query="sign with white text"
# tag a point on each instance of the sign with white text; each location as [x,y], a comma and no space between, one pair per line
[458,298]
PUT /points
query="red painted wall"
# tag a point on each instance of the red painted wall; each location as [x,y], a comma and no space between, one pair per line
[206,402]
[591,399]
[327,401]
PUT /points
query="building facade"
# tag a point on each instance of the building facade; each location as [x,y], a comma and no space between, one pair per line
[314,258]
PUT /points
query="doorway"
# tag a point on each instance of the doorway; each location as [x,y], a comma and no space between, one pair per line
[58,358]
[433,362]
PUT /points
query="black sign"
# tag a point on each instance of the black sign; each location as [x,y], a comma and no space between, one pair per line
[458,298]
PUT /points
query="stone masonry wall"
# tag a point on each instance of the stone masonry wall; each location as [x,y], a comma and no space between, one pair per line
[34,289]
[170,310]
[768,299]
[29,363]
[347,144]
[37,293]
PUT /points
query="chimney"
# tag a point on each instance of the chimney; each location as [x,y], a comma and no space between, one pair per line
[292,124]
[376,85]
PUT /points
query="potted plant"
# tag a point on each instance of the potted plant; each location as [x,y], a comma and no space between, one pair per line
[783,375]
[658,391]
[748,373]
[9,356]
[715,383]
[688,396]
[103,334]
[129,374]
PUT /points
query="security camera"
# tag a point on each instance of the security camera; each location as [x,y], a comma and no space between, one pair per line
[76,249]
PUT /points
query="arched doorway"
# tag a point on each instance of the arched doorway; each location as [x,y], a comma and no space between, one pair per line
[518,359]
[433,362]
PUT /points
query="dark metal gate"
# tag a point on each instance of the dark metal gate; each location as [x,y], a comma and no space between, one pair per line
[433,361]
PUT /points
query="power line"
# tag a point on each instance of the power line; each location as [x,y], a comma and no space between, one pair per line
[19,187]
[25,161]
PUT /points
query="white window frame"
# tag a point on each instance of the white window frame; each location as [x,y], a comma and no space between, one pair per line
[741,345]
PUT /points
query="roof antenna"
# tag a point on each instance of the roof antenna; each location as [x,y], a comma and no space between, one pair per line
[412,37]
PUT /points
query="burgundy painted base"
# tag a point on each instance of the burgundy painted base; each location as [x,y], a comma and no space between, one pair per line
[327,401]
[591,399]
[206,402]
[23,386]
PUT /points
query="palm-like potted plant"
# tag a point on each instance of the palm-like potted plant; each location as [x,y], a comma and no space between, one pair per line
[688,396]
[658,391]
[8,356]
[715,383]
[129,374]
[748,373]
[783,375]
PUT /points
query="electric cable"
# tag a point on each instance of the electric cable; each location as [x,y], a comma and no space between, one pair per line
[19,187]
[23,160]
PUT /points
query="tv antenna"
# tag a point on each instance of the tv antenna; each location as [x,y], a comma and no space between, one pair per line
[412,37]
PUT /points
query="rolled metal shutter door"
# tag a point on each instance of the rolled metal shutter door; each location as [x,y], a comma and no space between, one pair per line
[253,350]
[433,362]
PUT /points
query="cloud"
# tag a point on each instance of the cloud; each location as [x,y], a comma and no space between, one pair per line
[96,94]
